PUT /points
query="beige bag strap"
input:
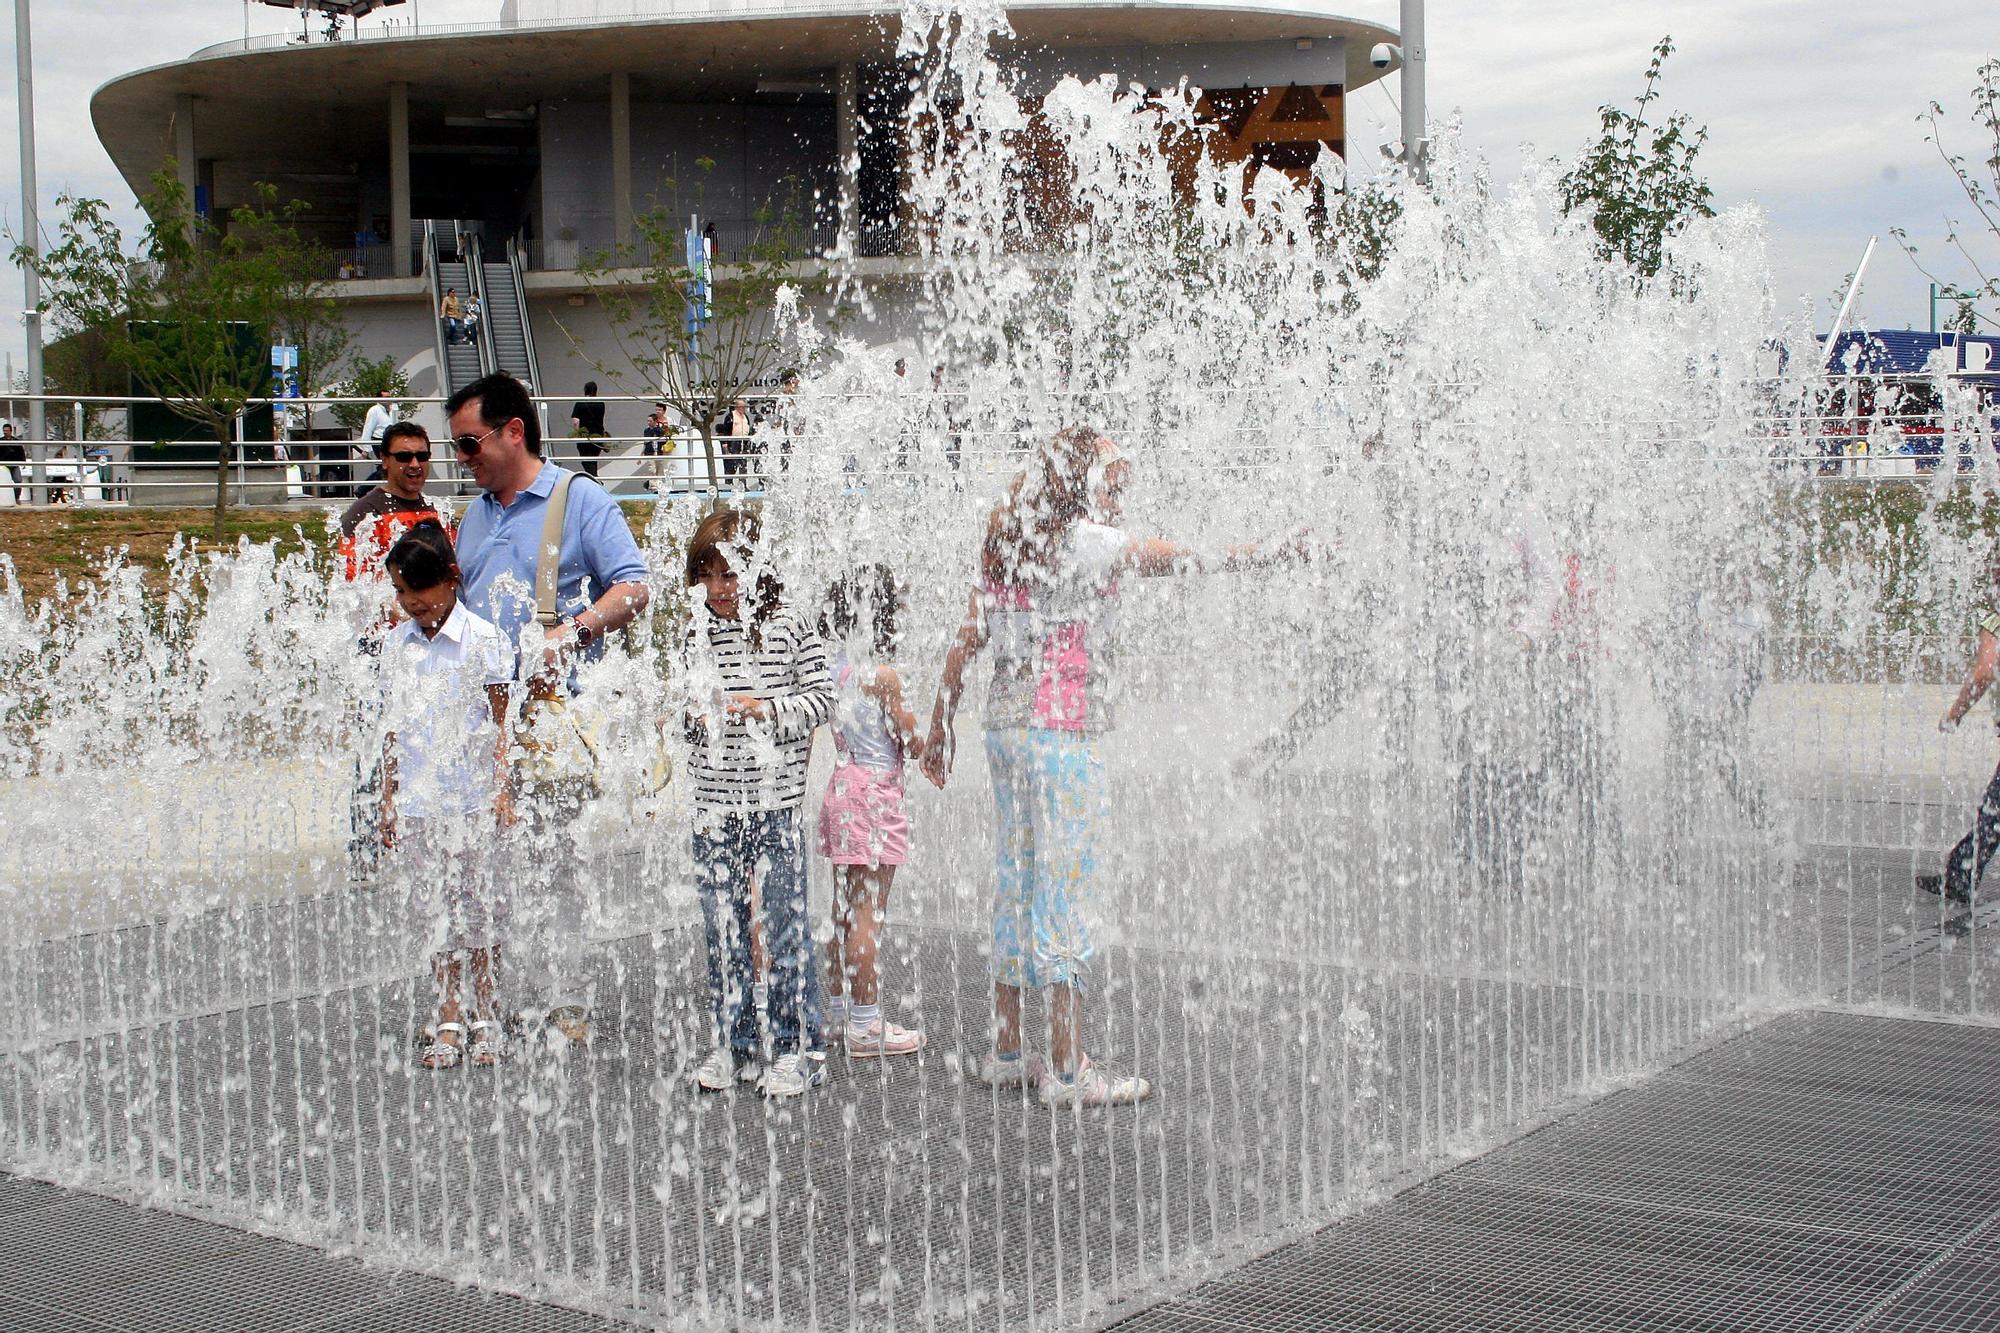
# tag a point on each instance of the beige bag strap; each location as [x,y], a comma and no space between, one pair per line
[548,562]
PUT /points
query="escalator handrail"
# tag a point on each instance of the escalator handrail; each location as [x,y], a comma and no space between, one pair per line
[431,280]
[521,311]
[475,282]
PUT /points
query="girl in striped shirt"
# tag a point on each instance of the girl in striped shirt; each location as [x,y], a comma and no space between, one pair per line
[759,686]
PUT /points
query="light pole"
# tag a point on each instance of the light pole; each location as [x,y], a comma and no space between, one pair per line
[1415,144]
[31,232]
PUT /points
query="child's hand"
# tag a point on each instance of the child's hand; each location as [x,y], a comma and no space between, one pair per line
[748,705]
[936,762]
[1947,724]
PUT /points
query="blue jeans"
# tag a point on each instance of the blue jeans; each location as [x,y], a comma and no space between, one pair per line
[729,849]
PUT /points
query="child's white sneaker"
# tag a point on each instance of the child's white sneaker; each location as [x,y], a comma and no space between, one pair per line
[791,1075]
[996,1072]
[719,1072]
[882,1038]
[1093,1087]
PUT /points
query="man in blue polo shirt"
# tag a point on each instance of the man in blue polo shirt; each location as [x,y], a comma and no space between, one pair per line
[600,587]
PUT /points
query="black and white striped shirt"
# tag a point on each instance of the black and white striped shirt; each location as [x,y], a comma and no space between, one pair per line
[745,764]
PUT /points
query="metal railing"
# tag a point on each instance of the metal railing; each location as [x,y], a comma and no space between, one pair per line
[391,30]
[374,260]
[977,438]
[596,242]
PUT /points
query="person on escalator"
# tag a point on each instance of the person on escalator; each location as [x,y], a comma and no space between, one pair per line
[452,311]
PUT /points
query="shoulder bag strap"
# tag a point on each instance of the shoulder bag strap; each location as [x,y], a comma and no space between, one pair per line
[548,561]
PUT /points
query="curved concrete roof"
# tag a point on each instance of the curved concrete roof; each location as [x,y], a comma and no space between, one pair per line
[304,101]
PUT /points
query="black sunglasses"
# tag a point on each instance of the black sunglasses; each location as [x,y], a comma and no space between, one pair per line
[469,445]
[411,456]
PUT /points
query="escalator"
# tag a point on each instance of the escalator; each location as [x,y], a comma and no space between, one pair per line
[508,339]
[447,250]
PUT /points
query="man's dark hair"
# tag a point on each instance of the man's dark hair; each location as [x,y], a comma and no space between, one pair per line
[590,388]
[502,398]
[401,430]
[423,557]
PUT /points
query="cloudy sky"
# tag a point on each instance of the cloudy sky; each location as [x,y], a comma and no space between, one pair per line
[1811,105]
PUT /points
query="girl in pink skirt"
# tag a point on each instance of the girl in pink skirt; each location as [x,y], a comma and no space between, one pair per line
[862,828]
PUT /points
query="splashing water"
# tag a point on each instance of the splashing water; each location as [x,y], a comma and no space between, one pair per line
[1456,799]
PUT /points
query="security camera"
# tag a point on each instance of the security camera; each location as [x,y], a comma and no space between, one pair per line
[1384,54]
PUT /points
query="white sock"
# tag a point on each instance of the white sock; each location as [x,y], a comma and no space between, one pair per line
[861,1017]
[760,994]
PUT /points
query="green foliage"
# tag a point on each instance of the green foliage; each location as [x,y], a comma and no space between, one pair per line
[1637,181]
[366,379]
[171,309]
[1362,228]
[1969,244]
[648,291]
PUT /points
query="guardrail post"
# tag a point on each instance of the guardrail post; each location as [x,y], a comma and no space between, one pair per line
[242,434]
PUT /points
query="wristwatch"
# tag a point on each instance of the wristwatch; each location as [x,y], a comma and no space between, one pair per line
[583,632]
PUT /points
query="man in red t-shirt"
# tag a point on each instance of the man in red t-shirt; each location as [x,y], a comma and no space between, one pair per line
[372,524]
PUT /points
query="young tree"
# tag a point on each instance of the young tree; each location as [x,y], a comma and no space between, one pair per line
[1638,181]
[1971,242]
[187,312]
[365,380]
[696,336]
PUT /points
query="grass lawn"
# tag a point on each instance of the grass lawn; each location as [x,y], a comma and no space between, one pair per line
[66,542]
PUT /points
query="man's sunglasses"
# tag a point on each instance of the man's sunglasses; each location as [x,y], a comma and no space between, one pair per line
[410,456]
[468,445]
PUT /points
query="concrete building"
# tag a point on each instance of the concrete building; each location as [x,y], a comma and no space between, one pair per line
[540,135]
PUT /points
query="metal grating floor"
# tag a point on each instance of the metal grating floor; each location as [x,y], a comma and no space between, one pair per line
[1827,1171]
[86,1264]
[893,1196]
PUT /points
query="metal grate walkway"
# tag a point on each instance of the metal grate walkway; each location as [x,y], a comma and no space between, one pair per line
[1827,1171]
[85,1264]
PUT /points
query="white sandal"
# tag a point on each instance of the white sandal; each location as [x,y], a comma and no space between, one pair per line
[442,1054]
[485,1052]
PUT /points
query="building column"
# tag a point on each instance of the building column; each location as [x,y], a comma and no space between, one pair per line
[184,159]
[621,158]
[847,143]
[399,180]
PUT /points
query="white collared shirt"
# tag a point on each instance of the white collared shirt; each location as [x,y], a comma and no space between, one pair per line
[437,708]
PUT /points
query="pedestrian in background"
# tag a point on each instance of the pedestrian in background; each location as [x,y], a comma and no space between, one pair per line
[1968,860]
[586,421]
[14,457]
